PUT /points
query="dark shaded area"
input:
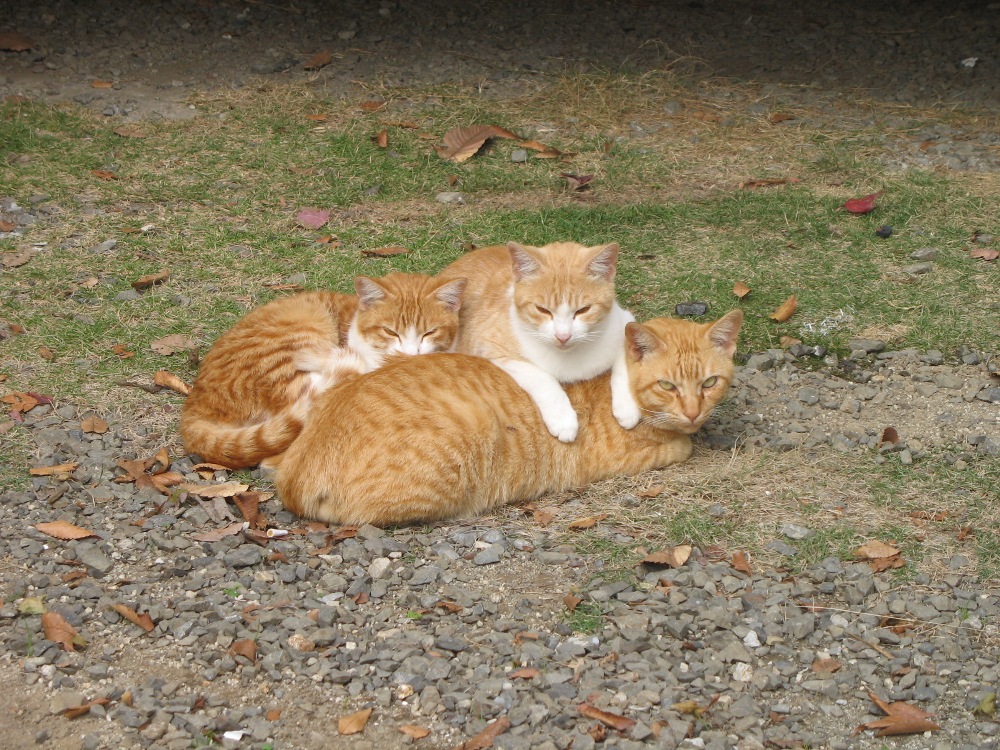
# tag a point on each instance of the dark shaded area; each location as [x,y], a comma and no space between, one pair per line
[899,51]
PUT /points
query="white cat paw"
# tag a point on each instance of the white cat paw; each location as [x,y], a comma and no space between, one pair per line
[627,414]
[563,426]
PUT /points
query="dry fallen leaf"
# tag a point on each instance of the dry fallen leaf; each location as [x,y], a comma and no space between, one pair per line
[571,601]
[48,471]
[615,721]
[96,84]
[150,280]
[863,205]
[385,252]
[217,534]
[889,435]
[650,492]
[45,353]
[169,380]
[355,722]
[741,562]
[318,117]
[901,718]
[63,530]
[372,105]
[461,143]
[227,489]
[312,218]
[768,182]
[94,425]
[14,42]
[780,117]
[382,139]
[58,630]
[122,351]
[175,342]
[543,516]
[414,731]
[144,621]
[585,523]
[248,504]
[245,647]
[16,260]
[875,549]
[319,60]
[104,174]
[675,557]
[7,226]
[524,673]
[986,253]
[740,289]
[577,182]
[785,310]
[75,711]
[788,341]
[827,664]
[485,738]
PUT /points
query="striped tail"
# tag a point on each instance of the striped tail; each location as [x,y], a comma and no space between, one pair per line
[241,446]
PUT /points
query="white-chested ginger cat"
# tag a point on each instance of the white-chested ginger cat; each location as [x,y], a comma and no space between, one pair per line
[256,384]
[449,435]
[547,316]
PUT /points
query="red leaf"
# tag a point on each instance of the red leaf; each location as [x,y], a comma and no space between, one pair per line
[312,218]
[863,205]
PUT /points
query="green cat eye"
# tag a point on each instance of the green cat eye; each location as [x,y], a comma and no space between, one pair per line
[667,385]
[710,382]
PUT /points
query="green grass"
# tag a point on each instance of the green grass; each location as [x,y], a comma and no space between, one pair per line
[585,618]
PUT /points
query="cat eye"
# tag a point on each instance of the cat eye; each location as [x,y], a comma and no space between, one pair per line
[543,311]
[710,382]
[667,385]
[390,332]
[429,333]
[583,310]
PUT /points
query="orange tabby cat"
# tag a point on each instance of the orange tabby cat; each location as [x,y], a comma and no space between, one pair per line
[451,435]
[547,316]
[255,385]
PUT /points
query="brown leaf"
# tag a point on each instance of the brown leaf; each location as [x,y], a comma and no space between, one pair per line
[543,516]
[150,280]
[75,711]
[122,351]
[48,471]
[533,145]
[828,664]
[144,621]
[94,425]
[485,738]
[524,673]
[14,42]
[461,143]
[650,492]
[965,532]
[58,630]
[385,252]
[785,310]
[886,563]
[16,260]
[103,174]
[740,289]
[319,60]
[167,379]
[249,505]
[96,84]
[780,117]
[175,342]
[319,117]
[227,489]
[355,722]
[598,732]
[585,523]
[615,721]
[789,341]
[217,534]
[901,718]
[875,549]
[571,601]
[63,530]
[245,647]
[7,226]
[578,182]
[889,435]
[414,731]
[273,714]
[675,557]
[741,562]
[372,106]
[45,353]
[344,532]
[986,253]
[382,139]
[403,124]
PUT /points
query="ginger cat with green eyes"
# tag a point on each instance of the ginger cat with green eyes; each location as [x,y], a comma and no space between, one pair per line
[450,435]
[257,382]
[547,316]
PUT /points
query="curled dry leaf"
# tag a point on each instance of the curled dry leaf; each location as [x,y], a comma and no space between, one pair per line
[48,471]
[122,351]
[650,492]
[382,139]
[571,602]
[875,549]
[462,143]
[74,712]
[615,721]
[144,621]
[217,534]
[318,117]
[889,435]
[901,718]
[355,722]
[740,289]
[372,105]
[227,489]
[585,523]
[827,664]
[986,253]
[150,280]
[741,562]
[166,379]
[675,557]
[16,260]
[414,731]
[94,425]
[780,117]
[173,343]
[45,353]
[320,60]
[64,530]
[385,252]
[104,174]
[14,42]
[58,630]
[789,341]
[784,310]
[864,205]
[312,218]
[524,673]
[577,181]
[485,738]
[248,504]
[543,516]
[245,647]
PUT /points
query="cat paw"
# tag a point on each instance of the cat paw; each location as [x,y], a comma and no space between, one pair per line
[564,427]
[628,415]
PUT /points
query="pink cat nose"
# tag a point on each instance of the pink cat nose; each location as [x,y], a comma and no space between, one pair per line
[564,337]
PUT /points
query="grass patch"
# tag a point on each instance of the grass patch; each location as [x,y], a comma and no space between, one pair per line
[585,618]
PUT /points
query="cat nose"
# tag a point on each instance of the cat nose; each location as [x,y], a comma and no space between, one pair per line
[564,337]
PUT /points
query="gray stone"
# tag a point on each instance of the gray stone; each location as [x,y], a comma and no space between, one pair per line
[925,253]
[488,556]
[917,269]
[519,156]
[782,548]
[94,558]
[450,197]
[869,346]
[793,531]
[379,568]
[243,556]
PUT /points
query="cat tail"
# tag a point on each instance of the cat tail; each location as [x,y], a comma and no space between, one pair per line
[240,446]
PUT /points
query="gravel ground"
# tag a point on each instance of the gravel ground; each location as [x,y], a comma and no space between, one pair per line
[455,626]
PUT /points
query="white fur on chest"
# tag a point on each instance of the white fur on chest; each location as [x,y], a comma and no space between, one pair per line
[587,358]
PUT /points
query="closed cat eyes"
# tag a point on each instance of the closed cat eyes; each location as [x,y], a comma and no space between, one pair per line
[390,332]
[583,310]
[429,333]
[543,311]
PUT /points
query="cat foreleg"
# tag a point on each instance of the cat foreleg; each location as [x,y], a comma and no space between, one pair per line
[623,404]
[548,395]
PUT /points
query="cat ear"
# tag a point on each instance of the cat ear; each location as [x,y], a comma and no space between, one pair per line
[724,332]
[369,291]
[523,262]
[603,264]
[641,341]
[451,294]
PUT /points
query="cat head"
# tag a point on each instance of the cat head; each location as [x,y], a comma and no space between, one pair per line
[681,370]
[405,313]
[563,291]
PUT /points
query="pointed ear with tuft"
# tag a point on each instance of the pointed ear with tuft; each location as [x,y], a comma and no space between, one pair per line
[641,341]
[725,331]
[369,291]
[523,262]
[603,264]
[451,294]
